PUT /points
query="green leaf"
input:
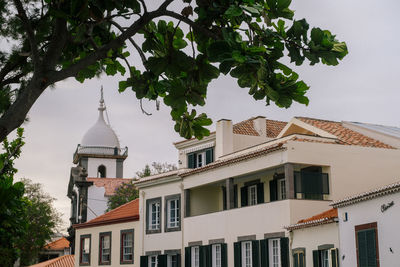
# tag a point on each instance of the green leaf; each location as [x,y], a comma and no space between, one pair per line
[282,4]
[317,35]
[233,11]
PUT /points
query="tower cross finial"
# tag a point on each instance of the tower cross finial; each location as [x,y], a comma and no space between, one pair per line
[102,107]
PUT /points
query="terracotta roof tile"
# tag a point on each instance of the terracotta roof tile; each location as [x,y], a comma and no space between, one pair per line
[344,134]
[274,127]
[58,244]
[126,212]
[325,217]
[109,184]
[63,261]
[247,127]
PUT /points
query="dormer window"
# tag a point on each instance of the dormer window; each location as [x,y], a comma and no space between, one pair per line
[101,171]
[200,158]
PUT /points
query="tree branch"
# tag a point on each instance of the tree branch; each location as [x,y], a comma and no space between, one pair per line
[165,4]
[191,23]
[144,6]
[29,30]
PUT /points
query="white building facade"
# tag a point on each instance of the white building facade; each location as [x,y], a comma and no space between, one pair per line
[368,227]
[235,190]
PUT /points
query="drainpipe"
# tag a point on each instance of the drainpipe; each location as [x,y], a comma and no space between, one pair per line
[143,219]
[182,224]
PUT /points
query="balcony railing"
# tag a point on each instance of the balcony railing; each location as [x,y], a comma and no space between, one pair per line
[101,150]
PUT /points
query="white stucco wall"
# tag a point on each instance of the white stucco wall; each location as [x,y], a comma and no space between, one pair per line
[110,164]
[312,237]
[164,240]
[97,202]
[115,230]
[387,227]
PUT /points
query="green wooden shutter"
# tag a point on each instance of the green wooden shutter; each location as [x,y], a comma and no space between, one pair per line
[255,251]
[208,257]
[162,260]
[191,161]
[178,260]
[224,255]
[315,255]
[273,190]
[264,253]
[144,261]
[224,198]
[238,254]
[367,248]
[284,242]
[296,260]
[188,258]
[203,256]
[334,258]
[260,193]
[243,196]
[235,196]
[302,260]
[209,155]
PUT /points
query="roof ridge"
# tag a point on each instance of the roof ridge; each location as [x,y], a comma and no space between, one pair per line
[316,119]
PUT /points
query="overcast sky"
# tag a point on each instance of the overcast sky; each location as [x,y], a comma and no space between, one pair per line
[364,87]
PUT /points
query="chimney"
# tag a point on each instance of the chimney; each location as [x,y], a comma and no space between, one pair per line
[260,125]
[224,138]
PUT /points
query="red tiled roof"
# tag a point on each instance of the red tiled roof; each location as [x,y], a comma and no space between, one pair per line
[58,244]
[325,217]
[109,184]
[274,128]
[344,134]
[63,261]
[124,213]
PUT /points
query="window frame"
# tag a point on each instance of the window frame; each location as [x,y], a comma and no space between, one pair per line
[203,153]
[122,234]
[81,238]
[363,227]
[214,254]
[169,260]
[193,255]
[150,257]
[271,251]
[249,195]
[149,203]
[300,254]
[102,235]
[168,199]
[325,257]
[281,193]
[243,252]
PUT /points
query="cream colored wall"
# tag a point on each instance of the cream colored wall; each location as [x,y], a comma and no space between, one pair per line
[241,141]
[115,230]
[312,237]
[164,240]
[206,199]
[248,167]
[353,169]
[110,164]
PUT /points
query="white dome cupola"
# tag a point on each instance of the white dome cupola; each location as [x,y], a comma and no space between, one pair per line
[100,134]
[100,152]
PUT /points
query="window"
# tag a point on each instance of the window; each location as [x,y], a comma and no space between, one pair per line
[246,254]
[216,255]
[325,258]
[173,211]
[127,246]
[311,185]
[153,216]
[281,189]
[299,258]
[252,195]
[195,251]
[101,171]
[153,261]
[85,250]
[172,260]
[200,158]
[274,252]
[105,248]
[367,245]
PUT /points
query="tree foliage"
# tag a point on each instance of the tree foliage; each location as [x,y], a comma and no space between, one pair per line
[182,51]
[43,221]
[128,192]
[13,206]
